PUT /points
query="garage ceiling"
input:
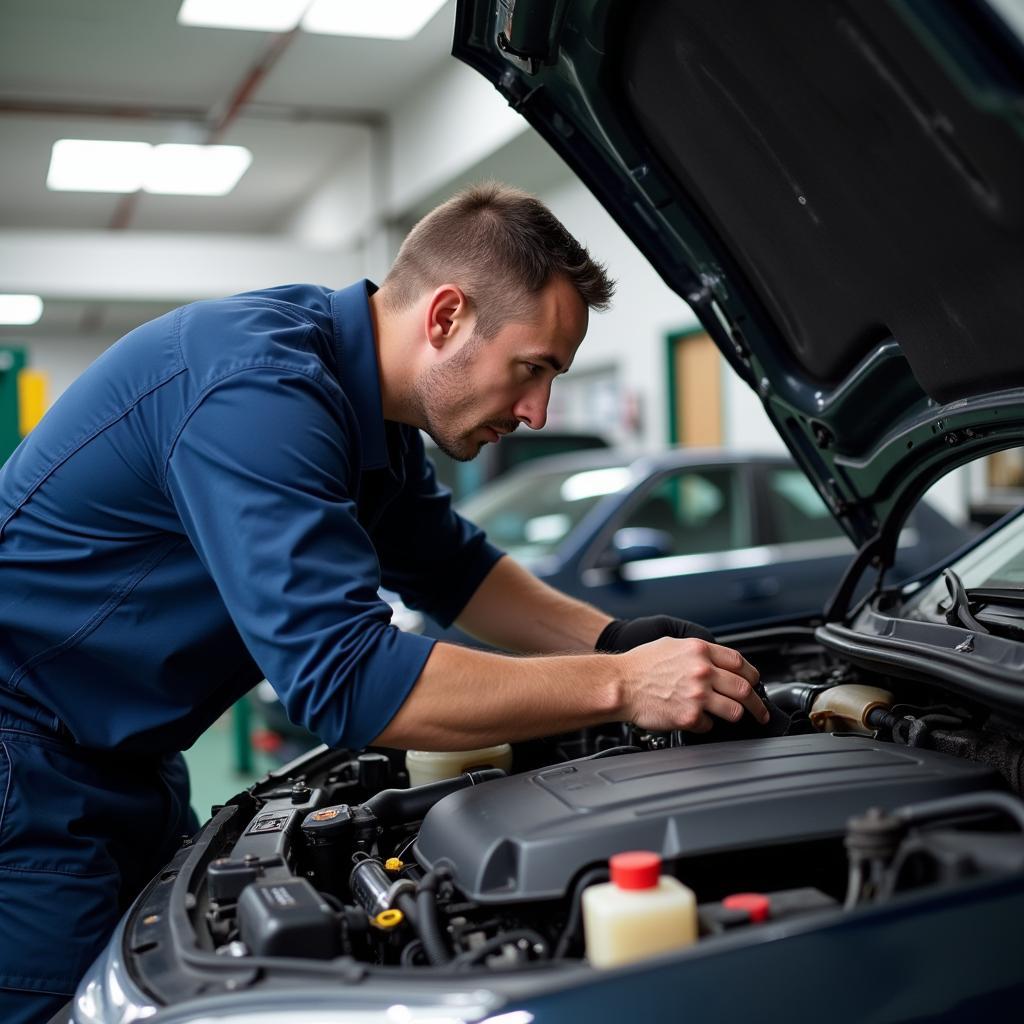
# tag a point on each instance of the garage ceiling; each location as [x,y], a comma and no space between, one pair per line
[125,69]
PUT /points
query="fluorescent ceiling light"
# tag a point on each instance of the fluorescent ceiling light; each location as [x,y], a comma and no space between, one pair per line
[261,15]
[20,309]
[85,165]
[379,19]
[187,170]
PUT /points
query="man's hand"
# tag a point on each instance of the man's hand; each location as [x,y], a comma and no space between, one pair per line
[625,634]
[678,684]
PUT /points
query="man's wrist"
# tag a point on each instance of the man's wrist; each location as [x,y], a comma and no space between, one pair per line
[613,687]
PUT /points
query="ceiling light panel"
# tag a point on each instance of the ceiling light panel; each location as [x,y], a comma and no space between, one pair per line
[259,15]
[186,170]
[381,19]
[89,165]
[20,309]
[86,165]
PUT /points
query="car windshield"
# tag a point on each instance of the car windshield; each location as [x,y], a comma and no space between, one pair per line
[530,513]
[995,564]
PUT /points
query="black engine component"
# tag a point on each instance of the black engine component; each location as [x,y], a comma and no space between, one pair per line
[921,845]
[525,837]
[287,918]
[400,806]
[720,916]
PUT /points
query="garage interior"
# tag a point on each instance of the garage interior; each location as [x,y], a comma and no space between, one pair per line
[351,138]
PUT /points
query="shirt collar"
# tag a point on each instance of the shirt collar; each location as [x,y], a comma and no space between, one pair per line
[357,363]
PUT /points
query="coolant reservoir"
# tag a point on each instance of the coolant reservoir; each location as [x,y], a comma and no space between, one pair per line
[846,708]
[639,913]
[432,765]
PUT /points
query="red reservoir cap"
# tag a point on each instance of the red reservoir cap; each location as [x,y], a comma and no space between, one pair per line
[756,904]
[638,869]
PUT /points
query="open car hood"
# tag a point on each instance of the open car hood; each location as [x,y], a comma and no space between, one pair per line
[837,190]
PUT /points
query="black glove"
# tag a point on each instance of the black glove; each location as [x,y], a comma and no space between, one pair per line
[625,634]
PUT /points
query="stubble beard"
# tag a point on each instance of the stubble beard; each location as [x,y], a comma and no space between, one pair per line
[443,396]
[441,393]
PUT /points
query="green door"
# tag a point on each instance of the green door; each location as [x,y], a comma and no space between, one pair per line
[12,360]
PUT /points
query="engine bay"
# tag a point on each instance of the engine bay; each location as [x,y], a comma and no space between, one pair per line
[880,787]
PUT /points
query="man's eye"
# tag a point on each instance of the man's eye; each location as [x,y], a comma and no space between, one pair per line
[534,369]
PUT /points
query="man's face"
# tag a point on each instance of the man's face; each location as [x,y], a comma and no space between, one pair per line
[488,386]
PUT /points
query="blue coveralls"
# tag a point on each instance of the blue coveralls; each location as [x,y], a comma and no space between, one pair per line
[215,500]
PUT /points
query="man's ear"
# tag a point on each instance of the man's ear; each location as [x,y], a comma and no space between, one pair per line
[447,314]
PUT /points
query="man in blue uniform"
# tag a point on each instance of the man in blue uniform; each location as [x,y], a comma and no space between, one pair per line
[218,499]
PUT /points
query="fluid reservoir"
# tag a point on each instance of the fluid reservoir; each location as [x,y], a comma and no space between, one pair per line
[639,913]
[433,765]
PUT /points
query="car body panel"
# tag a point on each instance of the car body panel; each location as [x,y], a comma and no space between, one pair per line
[872,415]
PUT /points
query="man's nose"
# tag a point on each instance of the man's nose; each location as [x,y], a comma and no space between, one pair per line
[532,409]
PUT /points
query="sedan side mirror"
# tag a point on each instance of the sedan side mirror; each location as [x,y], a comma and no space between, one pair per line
[637,544]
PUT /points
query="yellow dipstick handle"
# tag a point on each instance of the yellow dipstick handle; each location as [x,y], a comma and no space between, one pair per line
[388,919]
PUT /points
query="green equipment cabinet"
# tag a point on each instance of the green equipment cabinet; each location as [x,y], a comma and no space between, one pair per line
[12,362]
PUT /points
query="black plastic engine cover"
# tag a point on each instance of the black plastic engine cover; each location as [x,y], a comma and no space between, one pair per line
[525,837]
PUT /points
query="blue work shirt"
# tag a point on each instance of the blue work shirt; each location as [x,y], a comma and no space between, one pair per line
[215,500]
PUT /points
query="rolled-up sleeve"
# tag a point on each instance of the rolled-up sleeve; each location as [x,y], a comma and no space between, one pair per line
[429,554]
[262,475]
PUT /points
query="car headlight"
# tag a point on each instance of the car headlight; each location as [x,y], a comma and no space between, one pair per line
[106,994]
[99,1002]
[440,1013]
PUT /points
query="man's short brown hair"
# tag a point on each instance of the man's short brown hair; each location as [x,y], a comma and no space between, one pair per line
[500,246]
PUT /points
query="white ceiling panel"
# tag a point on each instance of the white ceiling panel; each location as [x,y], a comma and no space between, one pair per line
[358,74]
[117,51]
[134,52]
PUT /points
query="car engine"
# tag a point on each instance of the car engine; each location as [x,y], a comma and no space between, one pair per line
[880,786]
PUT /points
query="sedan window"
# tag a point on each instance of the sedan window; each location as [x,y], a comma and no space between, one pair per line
[529,513]
[697,511]
[795,509]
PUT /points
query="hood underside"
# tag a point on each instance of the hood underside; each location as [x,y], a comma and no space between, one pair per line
[836,189]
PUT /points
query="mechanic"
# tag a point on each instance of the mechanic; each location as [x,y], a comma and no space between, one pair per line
[219,497]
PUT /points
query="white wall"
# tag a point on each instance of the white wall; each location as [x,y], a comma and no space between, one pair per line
[454,120]
[345,207]
[632,334]
[111,266]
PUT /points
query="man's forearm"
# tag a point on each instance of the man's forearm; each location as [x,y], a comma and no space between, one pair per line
[466,698]
[515,611]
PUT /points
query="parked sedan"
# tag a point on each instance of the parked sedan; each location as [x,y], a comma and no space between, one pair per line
[714,536]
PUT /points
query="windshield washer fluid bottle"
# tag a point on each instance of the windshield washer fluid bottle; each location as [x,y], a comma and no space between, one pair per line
[638,914]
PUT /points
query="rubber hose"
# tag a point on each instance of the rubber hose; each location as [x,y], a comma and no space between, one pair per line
[427,923]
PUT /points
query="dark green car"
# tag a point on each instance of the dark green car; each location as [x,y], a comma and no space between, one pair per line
[837,189]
